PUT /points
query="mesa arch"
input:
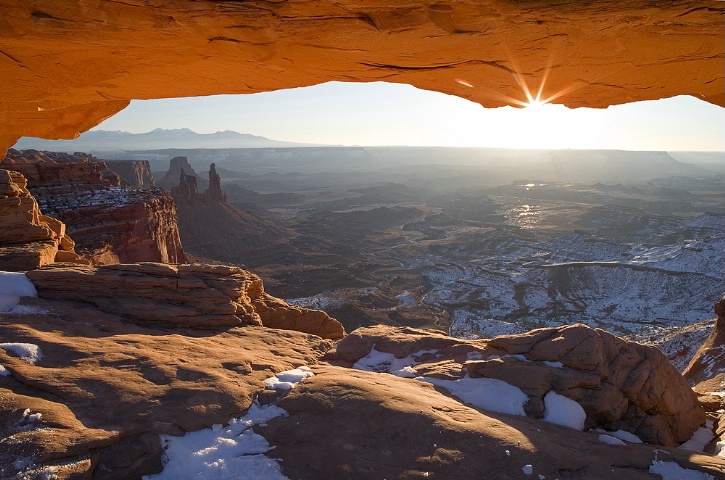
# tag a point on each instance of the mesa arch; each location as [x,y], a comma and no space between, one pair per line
[66,66]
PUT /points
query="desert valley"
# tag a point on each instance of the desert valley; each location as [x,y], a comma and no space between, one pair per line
[176,305]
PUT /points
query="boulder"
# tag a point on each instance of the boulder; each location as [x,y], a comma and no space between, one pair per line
[619,384]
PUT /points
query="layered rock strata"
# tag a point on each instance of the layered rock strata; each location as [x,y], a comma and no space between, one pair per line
[591,54]
[620,385]
[110,224]
[55,168]
[135,173]
[29,239]
[191,296]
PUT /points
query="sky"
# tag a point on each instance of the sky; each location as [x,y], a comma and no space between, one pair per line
[381,113]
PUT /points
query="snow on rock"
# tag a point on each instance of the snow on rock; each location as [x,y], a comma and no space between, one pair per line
[27,351]
[620,434]
[289,379]
[563,411]
[14,285]
[4,372]
[700,438]
[376,361]
[486,393]
[610,440]
[232,452]
[672,471]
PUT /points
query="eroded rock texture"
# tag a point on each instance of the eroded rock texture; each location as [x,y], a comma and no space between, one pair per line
[29,239]
[109,223]
[68,65]
[192,296]
[350,424]
[105,389]
[619,384]
[135,173]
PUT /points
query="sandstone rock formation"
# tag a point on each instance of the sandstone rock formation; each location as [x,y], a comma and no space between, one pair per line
[135,173]
[350,424]
[709,360]
[707,372]
[619,384]
[186,191]
[29,239]
[191,296]
[51,168]
[106,388]
[580,54]
[215,193]
[172,178]
[110,224]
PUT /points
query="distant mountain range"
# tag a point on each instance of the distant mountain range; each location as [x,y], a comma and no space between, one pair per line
[113,141]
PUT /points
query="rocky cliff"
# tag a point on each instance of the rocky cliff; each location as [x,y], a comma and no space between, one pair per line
[496,53]
[135,173]
[109,223]
[29,239]
[171,178]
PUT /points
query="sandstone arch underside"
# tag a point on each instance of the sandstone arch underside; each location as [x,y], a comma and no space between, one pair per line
[66,66]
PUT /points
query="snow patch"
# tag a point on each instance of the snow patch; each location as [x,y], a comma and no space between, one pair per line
[231,452]
[527,469]
[487,393]
[553,364]
[699,440]
[620,434]
[26,351]
[14,285]
[382,362]
[222,453]
[563,411]
[610,440]
[4,372]
[672,471]
[289,379]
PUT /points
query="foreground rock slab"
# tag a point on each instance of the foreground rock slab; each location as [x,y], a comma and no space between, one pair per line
[102,389]
[350,424]
[193,296]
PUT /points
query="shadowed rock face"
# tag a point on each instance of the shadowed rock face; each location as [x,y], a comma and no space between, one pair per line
[68,65]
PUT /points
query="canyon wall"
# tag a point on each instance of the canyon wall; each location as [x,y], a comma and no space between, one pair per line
[109,223]
[135,173]
[66,66]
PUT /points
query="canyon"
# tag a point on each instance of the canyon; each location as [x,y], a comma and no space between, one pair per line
[103,366]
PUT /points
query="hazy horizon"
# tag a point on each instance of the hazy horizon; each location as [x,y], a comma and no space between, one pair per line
[385,114]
